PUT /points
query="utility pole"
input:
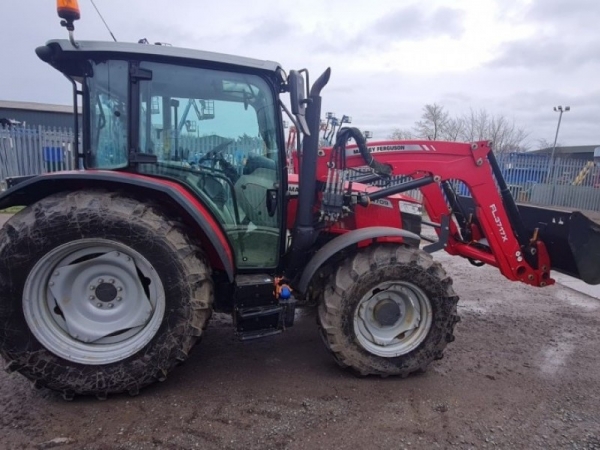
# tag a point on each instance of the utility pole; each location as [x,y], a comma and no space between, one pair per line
[560,110]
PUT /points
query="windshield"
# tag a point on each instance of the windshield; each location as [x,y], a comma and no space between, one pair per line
[186,112]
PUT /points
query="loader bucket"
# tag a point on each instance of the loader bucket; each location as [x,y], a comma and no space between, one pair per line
[571,238]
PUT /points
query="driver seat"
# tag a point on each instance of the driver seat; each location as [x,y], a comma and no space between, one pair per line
[251,193]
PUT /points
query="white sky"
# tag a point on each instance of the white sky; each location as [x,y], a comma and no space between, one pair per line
[518,58]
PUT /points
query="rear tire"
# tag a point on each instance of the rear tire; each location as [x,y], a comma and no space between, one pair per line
[99,293]
[388,310]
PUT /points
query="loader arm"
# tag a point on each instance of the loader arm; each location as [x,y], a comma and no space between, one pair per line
[490,232]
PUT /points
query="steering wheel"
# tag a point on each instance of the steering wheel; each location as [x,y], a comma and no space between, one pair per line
[216,155]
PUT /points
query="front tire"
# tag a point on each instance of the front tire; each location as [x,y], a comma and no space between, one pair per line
[99,293]
[388,310]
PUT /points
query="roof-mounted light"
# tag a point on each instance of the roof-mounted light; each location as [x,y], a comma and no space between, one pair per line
[68,10]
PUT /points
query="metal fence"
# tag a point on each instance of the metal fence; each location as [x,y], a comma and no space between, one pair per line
[533,179]
[568,183]
[33,151]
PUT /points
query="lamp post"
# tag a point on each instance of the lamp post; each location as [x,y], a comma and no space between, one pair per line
[560,110]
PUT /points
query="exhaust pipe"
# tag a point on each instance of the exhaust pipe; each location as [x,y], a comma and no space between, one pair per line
[304,234]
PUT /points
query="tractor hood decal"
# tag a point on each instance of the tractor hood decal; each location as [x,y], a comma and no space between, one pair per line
[390,148]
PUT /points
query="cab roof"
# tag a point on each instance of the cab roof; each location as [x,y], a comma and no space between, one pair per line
[61,49]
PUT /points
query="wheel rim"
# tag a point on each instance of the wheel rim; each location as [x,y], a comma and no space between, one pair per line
[93,301]
[393,319]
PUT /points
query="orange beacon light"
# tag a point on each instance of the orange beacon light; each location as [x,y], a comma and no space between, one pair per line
[68,10]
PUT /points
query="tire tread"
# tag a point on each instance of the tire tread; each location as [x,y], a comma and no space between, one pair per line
[189,320]
[338,290]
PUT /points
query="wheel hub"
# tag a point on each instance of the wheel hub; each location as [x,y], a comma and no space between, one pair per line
[106,292]
[387,312]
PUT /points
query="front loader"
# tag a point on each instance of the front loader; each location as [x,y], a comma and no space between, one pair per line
[110,274]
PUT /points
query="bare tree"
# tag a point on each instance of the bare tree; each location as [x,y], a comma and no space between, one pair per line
[505,135]
[400,135]
[545,143]
[455,128]
[433,123]
[477,125]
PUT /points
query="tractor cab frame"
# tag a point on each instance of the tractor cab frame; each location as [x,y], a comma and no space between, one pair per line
[135,102]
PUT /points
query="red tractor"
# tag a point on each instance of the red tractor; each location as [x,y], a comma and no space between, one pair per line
[109,275]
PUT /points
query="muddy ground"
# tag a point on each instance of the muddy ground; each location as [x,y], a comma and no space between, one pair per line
[523,373]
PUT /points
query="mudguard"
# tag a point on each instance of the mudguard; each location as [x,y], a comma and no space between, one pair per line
[171,194]
[344,241]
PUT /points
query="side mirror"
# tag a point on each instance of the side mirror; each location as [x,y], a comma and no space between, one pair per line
[298,99]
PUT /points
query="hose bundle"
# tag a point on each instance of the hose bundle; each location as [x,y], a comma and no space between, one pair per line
[339,149]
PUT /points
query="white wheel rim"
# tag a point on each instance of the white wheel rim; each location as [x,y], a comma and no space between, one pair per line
[93,301]
[393,319]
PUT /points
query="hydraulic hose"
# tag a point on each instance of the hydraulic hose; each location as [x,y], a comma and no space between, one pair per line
[350,132]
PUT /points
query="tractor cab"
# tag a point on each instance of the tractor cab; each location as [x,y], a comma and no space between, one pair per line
[209,122]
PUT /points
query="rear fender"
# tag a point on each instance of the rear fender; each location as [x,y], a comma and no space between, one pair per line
[347,240]
[169,194]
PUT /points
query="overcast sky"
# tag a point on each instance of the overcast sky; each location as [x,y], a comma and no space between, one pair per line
[518,58]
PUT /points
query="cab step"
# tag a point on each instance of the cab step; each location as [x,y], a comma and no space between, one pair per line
[257,312]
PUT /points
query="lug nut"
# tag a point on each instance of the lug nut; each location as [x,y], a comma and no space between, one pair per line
[57,273]
[51,283]
[110,305]
[100,281]
[119,289]
[99,305]
[92,287]
[119,299]
[112,281]
[92,297]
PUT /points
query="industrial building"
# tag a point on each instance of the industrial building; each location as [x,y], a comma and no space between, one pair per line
[583,152]
[36,114]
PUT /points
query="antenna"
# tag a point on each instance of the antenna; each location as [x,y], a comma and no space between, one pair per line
[104,21]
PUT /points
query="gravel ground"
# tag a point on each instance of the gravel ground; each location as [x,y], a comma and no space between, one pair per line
[523,373]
